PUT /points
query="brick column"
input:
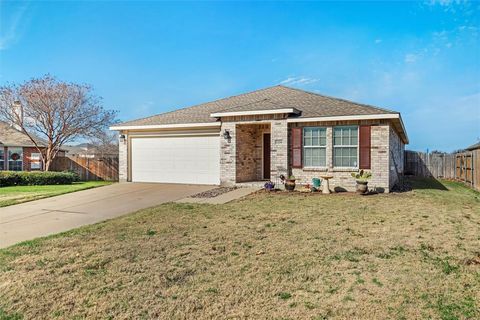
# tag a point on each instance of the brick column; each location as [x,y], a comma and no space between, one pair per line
[380,158]
[123,159]
[329,149]
[228,154]
[279,149]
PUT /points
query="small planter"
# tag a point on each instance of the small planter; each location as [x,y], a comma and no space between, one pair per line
[290,185]
[362,186]
[269,186]
[361,177]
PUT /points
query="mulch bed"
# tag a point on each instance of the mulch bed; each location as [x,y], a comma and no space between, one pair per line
[282,192]
[213,193]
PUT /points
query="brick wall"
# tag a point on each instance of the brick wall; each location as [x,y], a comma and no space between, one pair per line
[5,158]
[380,158]
[241,157]
[342,179]
[247,155]
[249,151]
[228,154]
[123,159]
[26,158]
[279,149]
[27,161]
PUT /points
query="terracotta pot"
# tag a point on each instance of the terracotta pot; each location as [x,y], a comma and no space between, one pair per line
[362,186]
[290,185]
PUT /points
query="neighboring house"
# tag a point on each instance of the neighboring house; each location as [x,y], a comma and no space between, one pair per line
[261,135]
[82,150]
[474,147]
[90,150]
[17,151]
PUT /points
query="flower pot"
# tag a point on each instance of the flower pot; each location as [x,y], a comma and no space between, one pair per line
[290,185]
[362,186]
[269,186]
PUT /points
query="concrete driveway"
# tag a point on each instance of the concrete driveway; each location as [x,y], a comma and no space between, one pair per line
[61,213]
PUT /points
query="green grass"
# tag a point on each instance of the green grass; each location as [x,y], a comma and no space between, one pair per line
[18,194]
[411,255]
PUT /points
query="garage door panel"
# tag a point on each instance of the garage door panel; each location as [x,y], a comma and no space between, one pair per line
[176,159]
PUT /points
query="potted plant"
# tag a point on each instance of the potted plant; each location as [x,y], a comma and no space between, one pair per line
[290,183]
[362,180]
[269,186]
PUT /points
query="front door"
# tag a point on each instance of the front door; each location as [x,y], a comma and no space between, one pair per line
[266,156]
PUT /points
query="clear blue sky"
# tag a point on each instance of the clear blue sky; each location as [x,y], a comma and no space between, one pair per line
[143,58]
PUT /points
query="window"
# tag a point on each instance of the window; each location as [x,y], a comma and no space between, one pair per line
[2,158]
[314,147]
[345,147]
[35,161]
[15,159]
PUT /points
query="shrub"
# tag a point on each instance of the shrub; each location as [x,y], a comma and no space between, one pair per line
[75,175]
[362,175]
[37,178]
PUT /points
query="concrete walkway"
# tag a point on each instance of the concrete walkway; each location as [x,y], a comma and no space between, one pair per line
[43,217]
[223,198]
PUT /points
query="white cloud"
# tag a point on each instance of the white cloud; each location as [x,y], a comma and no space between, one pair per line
[450,6]
[145,109]
[298,81]
[440,2]
[411,58]
[9,33]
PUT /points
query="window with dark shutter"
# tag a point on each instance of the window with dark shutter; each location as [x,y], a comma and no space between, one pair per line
[296,147]
[365,145]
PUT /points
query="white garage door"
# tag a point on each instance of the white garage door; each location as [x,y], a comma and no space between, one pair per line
[193,160]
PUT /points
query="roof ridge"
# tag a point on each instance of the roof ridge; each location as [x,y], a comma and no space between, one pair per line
[340,99]
[38,140]
[203,103]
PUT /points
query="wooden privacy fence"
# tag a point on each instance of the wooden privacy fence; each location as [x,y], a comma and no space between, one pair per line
[97,168]
[464,166]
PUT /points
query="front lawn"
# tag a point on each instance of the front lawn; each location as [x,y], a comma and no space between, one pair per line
[268,256]
[19,194]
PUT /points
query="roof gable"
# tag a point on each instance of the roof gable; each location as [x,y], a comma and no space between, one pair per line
[278,97]
[474,146]
[11,137]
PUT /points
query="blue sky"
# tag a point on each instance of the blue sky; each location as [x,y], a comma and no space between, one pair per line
[144,58]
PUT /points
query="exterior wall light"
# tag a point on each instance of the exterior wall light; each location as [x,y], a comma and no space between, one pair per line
[226,135]
[121,138]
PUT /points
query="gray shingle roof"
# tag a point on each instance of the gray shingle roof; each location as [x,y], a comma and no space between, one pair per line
[11,137]
[310,105]
[474,146]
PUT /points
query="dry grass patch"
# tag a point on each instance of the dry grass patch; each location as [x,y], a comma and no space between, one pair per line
[267,256]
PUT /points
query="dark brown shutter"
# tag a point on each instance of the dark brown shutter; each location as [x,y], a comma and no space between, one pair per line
[365,144]
[296,147]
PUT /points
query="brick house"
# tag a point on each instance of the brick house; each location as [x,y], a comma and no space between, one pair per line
[261,135]
[17,151]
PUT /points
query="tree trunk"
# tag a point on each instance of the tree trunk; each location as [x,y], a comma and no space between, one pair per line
[48,162]
[49,156]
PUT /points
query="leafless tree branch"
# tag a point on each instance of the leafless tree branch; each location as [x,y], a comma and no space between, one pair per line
[51,113]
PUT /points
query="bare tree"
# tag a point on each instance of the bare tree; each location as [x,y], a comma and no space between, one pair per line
[105,143]
[54,111]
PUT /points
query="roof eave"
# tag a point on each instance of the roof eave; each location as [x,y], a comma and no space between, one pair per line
[165,126]
[254,112]
[390,116]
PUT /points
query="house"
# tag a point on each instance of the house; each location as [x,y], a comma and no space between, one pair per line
[92,150]
[82,150]
[17,151]
[473,147]
[261,135]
